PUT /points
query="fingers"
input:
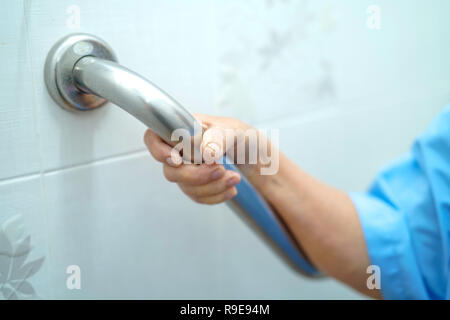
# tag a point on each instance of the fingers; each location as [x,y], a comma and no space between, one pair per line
[212,143]
[160,150]
[192,174]
[218,198]
[229,179]
[207,184]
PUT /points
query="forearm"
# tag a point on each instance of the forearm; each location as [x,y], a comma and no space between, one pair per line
[323,220]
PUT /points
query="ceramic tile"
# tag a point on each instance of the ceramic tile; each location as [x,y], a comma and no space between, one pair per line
[132,234]
[151,37]
[24,247]
[18,136]
[347,147]
[275,59]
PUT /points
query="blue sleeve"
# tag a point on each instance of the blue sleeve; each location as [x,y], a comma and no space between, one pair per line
[405,218]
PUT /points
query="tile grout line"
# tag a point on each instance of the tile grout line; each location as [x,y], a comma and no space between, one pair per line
[107,159]
[313,116]
[331,110]
[19,178]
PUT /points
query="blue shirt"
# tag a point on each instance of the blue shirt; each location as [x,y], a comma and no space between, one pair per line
[405,218]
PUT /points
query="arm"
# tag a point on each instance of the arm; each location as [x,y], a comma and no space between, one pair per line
[322,219]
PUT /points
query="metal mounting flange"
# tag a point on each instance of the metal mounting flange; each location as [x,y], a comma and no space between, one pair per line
[59,65]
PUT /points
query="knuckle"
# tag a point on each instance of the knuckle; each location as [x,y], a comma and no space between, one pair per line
[159,153]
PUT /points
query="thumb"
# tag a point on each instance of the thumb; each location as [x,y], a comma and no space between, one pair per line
[213,145]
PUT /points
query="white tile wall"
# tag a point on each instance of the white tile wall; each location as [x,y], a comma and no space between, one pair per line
[346,100]
[134,235]
[18,139]
[347,146]
[24,245]
[276,59]
[167,42]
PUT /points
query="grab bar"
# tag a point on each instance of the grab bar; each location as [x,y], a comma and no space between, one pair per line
[82,73]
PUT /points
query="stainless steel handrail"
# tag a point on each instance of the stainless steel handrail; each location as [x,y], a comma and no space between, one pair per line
[136,95]
[91,72]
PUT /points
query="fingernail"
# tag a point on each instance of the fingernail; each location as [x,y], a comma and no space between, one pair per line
[217,174]
[232,181]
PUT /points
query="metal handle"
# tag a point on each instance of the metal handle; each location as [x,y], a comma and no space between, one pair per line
[81,73]
[136,95]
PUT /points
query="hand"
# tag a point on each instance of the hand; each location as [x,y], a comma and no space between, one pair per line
[322,218]
[203,183]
